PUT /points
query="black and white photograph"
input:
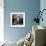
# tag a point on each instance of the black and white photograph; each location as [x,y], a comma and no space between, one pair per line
[17,19]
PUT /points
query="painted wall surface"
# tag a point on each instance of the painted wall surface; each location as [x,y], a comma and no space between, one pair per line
[1,21]
[30,7]
[43,6]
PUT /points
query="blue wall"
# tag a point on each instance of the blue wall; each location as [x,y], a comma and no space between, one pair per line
[27,6]
[43,6]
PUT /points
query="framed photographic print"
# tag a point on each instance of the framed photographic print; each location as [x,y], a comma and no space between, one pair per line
[17,19]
